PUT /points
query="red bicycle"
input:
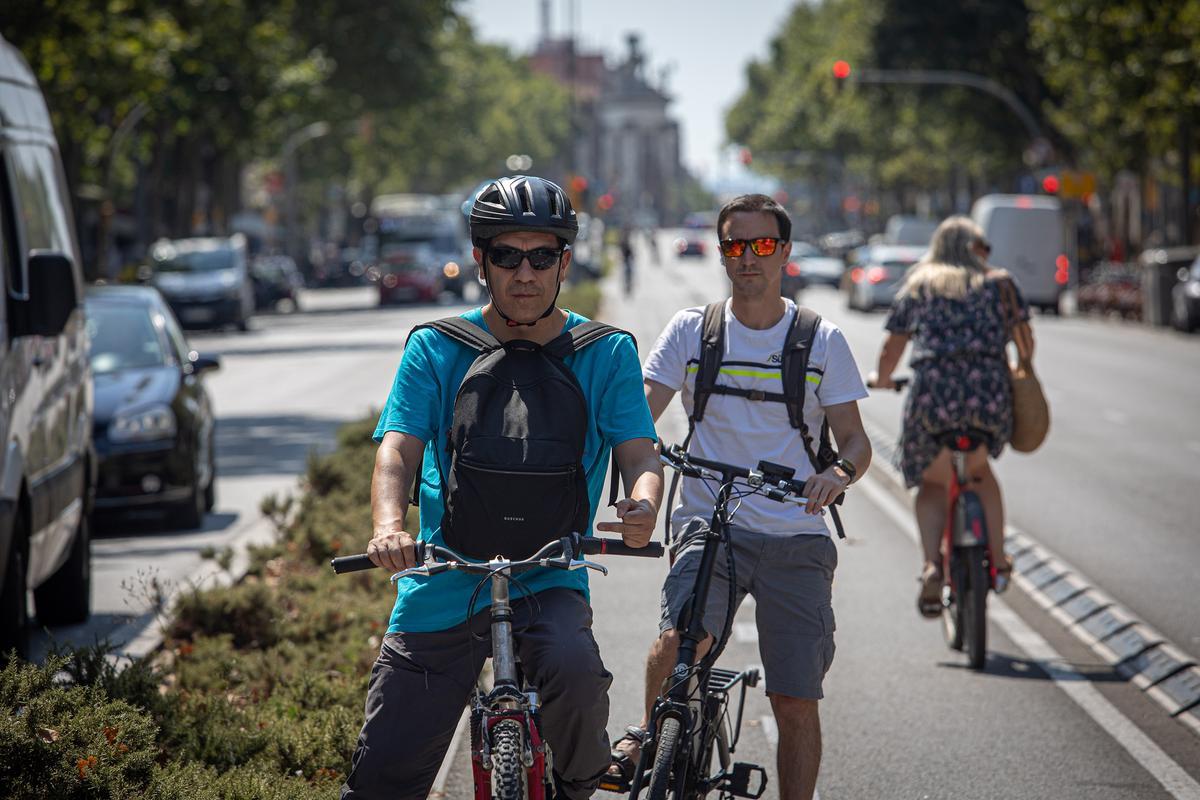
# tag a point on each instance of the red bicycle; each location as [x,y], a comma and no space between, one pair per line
[509,758]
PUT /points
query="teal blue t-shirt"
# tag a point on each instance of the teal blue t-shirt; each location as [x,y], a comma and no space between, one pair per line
[421,404]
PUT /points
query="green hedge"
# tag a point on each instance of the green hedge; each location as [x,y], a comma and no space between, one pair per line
[257,693]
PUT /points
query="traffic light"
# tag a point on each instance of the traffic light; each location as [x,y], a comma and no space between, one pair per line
[1050,184]
[841,71]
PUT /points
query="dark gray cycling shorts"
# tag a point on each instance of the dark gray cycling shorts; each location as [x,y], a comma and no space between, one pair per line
[790,578]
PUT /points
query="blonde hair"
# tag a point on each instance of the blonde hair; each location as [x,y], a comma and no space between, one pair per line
[950,268]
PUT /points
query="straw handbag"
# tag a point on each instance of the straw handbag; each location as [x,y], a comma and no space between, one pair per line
[1031,413]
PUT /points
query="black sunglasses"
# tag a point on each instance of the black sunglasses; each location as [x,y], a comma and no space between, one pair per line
[510,257]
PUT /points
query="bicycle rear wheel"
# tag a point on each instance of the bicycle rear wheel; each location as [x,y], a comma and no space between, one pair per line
[664,758]
[973,600]
[953,622]
[508,773]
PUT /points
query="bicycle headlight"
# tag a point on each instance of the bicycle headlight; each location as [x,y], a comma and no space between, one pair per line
[155,422]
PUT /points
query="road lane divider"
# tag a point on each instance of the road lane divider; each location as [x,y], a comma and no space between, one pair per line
[1075,684]
[1164,671]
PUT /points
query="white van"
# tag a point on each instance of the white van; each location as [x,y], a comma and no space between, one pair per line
[1026,234]
[47,458]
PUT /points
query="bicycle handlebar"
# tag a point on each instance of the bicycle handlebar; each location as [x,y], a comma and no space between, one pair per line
[775,487]
[899,383]
[585,546]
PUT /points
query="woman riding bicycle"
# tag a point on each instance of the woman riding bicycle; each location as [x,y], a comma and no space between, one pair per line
[951,307]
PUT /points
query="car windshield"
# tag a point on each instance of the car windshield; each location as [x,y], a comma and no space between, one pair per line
[196,261]
[123,337]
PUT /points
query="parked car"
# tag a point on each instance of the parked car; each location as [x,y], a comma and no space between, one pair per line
[910,231]
[47,461]
[275,280]
[206,281]
[409,272]
[1026,235]
[881,270]
[155,426]
[1185,299]
[691,243]
[816,268]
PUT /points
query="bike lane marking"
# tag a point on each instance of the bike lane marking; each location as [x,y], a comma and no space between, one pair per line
[1074,684]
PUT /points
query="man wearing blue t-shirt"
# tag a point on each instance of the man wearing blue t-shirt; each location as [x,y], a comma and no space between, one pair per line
[522,228]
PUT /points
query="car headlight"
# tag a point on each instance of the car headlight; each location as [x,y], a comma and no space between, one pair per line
[156,422]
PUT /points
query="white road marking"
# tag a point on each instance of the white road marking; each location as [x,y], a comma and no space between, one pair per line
[745,632]
[1161,767]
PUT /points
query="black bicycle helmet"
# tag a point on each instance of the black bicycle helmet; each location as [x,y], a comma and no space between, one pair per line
[522,203]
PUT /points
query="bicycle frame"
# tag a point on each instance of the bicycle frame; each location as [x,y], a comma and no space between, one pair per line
[965,553]
[698,694]
[509,699]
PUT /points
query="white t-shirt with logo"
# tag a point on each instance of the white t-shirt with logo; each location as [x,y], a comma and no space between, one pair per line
[739,431]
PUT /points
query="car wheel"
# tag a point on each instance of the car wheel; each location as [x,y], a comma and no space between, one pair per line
[210,491]
[66,598]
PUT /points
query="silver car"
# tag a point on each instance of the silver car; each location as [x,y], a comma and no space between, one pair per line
[878,275]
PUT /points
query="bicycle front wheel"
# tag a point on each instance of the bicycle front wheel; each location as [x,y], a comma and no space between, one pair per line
[508,773]
[664,758]
[974,602]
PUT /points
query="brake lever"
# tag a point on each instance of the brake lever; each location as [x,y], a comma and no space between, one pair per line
[585,564]
[404,573]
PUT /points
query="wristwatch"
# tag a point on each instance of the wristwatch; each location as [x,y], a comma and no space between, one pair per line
[847,467]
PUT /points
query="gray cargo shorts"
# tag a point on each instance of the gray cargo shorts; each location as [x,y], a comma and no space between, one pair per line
[790,578]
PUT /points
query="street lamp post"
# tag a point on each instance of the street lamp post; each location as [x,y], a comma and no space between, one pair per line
[288,156]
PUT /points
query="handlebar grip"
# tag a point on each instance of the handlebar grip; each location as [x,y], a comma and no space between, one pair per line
[351,563]
[616,547]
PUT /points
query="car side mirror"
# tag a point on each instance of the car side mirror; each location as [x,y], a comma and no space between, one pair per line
[53,293]
[1182,274]
[202,362]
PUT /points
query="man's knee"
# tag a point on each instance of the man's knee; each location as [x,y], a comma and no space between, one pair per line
[794,712]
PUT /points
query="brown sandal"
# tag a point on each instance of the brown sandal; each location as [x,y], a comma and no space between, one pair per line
[929,600]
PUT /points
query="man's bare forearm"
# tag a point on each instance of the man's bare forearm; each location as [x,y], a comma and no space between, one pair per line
[390,485]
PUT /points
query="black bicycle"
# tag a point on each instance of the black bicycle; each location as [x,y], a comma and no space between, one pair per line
[692,735]
[509,758]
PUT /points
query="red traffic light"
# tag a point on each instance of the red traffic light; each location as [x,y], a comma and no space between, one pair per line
[841,70]
[579,184]
[606,201]
[1050,184]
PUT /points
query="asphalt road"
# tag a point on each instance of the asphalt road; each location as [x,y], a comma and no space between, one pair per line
[1111,491]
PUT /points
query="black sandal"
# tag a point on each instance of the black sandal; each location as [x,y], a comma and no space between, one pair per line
[621,780]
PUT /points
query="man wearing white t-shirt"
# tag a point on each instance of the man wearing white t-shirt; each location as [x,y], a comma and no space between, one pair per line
[783,554]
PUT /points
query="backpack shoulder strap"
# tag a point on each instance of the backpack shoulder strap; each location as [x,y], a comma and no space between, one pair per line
[712,348]
[579,337]
[463,332]
[796,349]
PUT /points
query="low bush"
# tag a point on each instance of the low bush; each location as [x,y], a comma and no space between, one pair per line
[257,692]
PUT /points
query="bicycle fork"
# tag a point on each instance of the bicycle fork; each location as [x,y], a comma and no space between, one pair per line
[507,716]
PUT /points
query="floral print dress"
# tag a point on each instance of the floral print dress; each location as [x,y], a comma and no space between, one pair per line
[960,372]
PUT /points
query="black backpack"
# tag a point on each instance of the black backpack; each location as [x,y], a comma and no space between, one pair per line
[797,347]
[516,479]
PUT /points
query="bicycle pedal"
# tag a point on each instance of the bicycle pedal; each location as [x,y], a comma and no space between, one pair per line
[737,781]
[610,784]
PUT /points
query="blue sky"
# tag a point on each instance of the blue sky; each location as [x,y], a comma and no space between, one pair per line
[705,44]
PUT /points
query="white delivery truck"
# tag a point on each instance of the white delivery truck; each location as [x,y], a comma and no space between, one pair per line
[1026,234]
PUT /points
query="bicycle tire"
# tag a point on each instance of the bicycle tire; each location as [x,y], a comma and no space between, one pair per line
[952,612]
[664,758]
[508,773]
[974,602]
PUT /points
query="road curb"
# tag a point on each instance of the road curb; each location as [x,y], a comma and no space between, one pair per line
[1137,652]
